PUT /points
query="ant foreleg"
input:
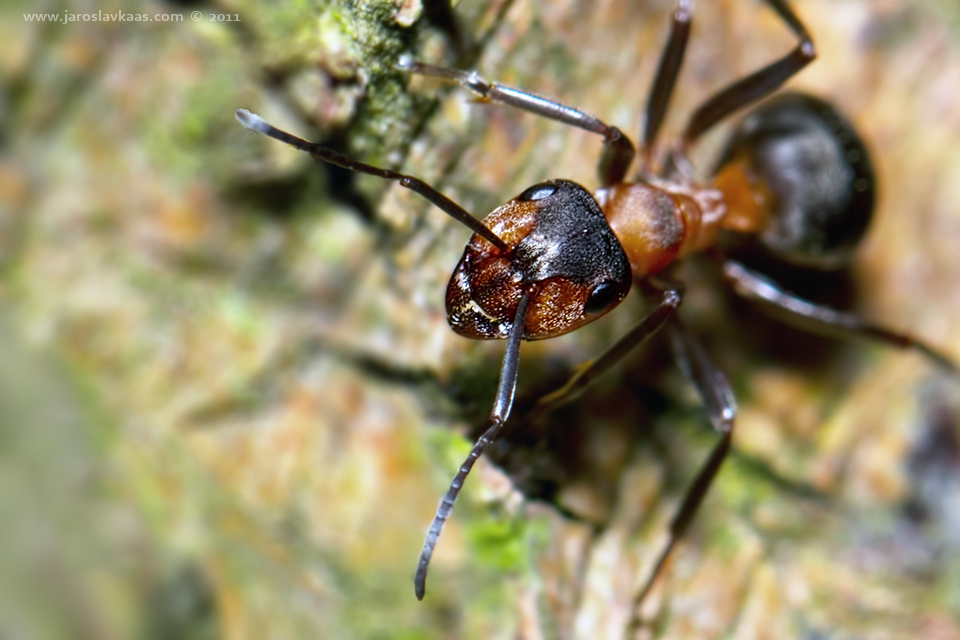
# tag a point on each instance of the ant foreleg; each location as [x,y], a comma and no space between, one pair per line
[768,295]
[506,389]
[618,151]
[591,370]
[721,406]
[255,123]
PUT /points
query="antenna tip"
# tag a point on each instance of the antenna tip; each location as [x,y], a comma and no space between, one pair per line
[251,121]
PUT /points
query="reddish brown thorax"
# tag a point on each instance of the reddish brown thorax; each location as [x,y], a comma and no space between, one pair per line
[658,222]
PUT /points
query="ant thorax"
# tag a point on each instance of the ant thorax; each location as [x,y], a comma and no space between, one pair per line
[658,221]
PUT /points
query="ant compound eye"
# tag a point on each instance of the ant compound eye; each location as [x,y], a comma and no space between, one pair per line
[538,192]
[602,296]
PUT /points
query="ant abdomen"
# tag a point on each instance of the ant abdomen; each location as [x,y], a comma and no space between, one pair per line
[808,176]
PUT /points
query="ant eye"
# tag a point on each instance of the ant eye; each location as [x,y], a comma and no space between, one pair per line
[602,296]
[538,192]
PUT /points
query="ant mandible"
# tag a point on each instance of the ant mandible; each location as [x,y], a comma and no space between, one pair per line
[795,180]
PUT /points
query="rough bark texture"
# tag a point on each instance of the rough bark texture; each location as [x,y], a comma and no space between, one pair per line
[229,400]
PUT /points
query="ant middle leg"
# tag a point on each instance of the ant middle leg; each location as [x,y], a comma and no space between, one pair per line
[618,151]
[771,297]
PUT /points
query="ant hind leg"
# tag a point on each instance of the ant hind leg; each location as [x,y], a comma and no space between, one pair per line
[755,86]
[772,298]
[667,71]
[721,406]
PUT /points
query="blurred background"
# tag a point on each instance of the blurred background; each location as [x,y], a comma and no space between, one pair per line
[230,402]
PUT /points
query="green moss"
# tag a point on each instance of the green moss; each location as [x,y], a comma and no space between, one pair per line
[498,544]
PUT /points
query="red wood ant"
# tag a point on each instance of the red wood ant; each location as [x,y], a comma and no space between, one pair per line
[794,182]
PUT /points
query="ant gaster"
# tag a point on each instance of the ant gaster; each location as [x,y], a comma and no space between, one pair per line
[795,179]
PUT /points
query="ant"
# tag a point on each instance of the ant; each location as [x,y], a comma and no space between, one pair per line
[794,183]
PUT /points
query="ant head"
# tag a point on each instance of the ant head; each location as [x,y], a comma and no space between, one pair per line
[559,247]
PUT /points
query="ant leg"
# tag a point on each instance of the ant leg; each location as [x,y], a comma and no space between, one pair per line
[817,318]
[506,389]
[721,406]
[255,123]
[593,369]
[755,86]
[618,151]
[667,70]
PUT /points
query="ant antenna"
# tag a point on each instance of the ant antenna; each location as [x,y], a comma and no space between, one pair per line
[506,388]
[255,123]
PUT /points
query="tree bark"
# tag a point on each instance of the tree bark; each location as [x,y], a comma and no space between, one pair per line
[271,401]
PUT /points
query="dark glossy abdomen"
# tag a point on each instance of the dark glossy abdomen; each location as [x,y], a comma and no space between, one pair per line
[816,168]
